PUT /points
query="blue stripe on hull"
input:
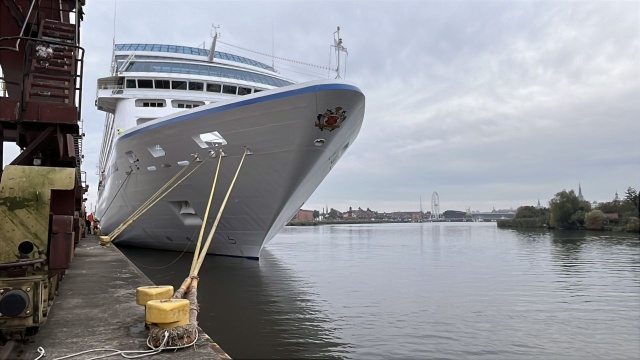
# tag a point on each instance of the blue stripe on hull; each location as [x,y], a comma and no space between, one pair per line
[246,102]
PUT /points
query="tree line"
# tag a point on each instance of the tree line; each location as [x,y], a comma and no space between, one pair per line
[567,211]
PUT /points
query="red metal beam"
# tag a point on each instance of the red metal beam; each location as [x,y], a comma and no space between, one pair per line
[15,12]
[26,156]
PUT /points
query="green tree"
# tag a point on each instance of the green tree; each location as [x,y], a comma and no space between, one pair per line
[610,207]
[333,214]
[631,197]
[577,219]
[316,214]
[525,212]
[633,225]
[594,220]
[567,211]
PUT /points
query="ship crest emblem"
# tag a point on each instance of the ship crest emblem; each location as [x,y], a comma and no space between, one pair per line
[331,119]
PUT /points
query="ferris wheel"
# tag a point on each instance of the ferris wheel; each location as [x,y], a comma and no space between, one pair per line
[435,206]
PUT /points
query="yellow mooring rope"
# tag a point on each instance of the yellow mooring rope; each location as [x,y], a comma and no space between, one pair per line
[149,203]
[153,197]
[181,335]
[206,215]
[203,253]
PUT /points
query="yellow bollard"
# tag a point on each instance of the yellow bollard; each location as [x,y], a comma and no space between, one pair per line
[168,313]
[105,241]
[145,294]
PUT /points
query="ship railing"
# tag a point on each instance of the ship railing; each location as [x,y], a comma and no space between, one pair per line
[107,144]
[108,87]
[115,89]
[110,83]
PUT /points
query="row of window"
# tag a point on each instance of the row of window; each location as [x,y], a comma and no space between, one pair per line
[180,104]
[151,104]
[190,51]
[202,69]
[188,85]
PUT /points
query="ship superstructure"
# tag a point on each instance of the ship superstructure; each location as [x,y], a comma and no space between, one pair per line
[168,106]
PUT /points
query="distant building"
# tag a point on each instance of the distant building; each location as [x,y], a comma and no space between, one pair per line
[360,214]
[402,216]
[304,215]
[349,214]
[454,214]
[580,197]
[538,206]
[612,217]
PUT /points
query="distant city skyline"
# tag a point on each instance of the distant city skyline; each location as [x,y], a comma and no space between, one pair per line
[426,205]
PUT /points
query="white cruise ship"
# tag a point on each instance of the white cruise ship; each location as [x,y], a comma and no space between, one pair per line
[166,104]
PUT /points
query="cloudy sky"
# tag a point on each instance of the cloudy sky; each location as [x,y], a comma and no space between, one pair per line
[489,103]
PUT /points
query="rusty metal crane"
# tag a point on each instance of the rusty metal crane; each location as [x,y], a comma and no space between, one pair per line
[42,189]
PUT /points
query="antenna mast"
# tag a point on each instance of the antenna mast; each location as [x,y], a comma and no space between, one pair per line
[337,45]
[212,50]
[113,42]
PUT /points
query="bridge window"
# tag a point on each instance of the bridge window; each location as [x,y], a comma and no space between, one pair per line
[145,84]
[163,84]
[179,85]
[131,83]
[196,85]
[214,87]
[244,90]
[229,89]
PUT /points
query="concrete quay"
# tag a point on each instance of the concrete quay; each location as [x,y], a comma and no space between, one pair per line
[96,309]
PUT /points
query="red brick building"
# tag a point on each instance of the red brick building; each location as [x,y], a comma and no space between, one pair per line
[304,215]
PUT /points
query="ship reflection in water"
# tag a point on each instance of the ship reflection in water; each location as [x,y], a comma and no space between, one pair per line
[251,309]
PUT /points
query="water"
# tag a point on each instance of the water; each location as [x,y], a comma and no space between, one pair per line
[420,291]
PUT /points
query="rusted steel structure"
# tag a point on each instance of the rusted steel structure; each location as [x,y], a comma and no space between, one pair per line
[42,189]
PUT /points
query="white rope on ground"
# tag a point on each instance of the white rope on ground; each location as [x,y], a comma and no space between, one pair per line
[41,352]
[174,347]
[127,354]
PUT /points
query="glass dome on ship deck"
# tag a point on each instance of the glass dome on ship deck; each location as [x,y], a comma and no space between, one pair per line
[191,51]
[144,63]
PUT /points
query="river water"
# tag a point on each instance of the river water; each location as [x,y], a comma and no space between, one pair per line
[420,291]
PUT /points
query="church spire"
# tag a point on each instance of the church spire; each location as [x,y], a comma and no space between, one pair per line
[580,197]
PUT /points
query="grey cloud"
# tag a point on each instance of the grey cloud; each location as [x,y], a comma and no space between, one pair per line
[490,103]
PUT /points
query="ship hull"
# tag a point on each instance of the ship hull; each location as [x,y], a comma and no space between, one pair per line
[285,165]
